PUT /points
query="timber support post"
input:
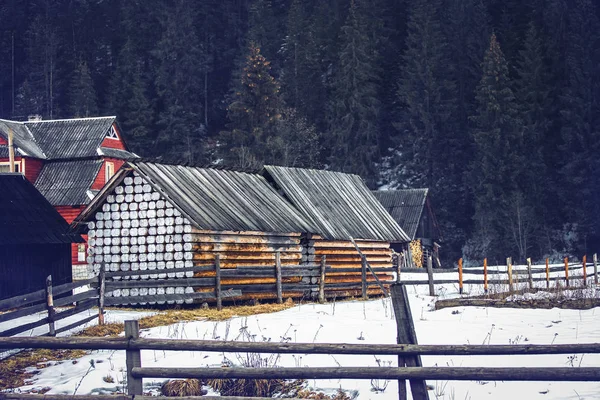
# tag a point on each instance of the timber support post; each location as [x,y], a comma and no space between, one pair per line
[101,291]
[50,306]
[529,277]
[364,277]
[278,277]
[567,271]
[322,279]
[460,275]
[133,359]
[595,259]
[485,276]
[218,282]
[430,276]
[547,273]
[511,287]
[584,263]
[405,334]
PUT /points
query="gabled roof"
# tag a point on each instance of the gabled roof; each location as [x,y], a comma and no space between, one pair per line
[67,182]
[70,138]
[26,217]
[24,141]
[214,199]
[340,205]
[405,206]
[116,153]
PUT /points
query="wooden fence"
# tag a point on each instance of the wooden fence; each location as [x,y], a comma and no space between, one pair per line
[409,358]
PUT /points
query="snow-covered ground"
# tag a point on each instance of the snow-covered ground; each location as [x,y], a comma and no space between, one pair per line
[367,322]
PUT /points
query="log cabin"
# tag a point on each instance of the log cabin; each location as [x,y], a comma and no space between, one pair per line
[35,240]
[151,218]
[67,160]
[413,211]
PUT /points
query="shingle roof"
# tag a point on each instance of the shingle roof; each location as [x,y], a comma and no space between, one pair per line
[117,153]
[22,137]
[405,206]
[70,138]
[339,205]
[27,217]
[67,182]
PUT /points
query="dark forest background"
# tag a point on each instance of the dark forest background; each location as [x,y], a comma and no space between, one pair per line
[492,104]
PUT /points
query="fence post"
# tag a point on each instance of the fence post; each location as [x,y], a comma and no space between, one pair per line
[584,270]
[510,275]
[595,258]
[430,276]
[278,277]
[364,277]
[133,359]
[405,334]
[218,282]
[530,278]
[567,271]
[547,273]
[460,275]
[50,306]
[322,280]
[101,290]
[485,276]
[401,260]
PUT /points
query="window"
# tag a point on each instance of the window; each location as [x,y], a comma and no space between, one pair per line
[81,252]
[5,167]
[109,170]
[112,133]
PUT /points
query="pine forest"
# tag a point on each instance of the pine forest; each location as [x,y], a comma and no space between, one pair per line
[494,105]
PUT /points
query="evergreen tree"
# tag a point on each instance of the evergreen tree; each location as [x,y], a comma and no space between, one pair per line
[354,107]
[181,61]
[82,96]
[581,120]
[496,165]
[252,114]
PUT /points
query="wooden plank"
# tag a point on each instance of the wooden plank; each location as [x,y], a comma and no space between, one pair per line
[363,277]
[133,359]
[50,306]
[101,293]
[81,307]
[67,287]
[76,324]
[24,328]
[322,280]
[218,282]
[172,282]
[22,300]
[64,301]
[278,277]
[547,374]
[114,301]
[23,312]
[430,276]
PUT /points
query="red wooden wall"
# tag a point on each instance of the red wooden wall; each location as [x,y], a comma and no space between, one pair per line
[100,180]
[69,214]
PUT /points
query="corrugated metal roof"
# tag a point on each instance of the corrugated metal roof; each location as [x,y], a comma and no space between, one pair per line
[27,217]
[117,153]
[339,205]
[22,137]
[66,183]
[70,138]
[224,200]
[405,206]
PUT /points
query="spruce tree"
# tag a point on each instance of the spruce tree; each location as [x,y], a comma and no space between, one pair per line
[82,96]
[495,170]
[252,114]
[355,106]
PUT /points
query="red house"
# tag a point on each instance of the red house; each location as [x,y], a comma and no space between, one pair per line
[67,160]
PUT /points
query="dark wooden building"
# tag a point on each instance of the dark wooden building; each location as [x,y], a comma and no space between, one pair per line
[34,238]
[413,211]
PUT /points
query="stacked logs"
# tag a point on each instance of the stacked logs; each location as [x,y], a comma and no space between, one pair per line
[249,248]
[139,231]
[342,254]
[417,253]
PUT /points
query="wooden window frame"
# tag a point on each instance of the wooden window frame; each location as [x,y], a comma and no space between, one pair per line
[109,170]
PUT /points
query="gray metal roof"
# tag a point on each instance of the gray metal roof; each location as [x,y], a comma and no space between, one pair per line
[339,205]
[405,206]
[70,138]
[24,141]
[26,217]
[67,182]
[224,200]
[117,153]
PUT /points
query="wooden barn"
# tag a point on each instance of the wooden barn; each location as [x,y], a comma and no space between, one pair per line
[67,160]
[34,239]
[413,211]
[153,218]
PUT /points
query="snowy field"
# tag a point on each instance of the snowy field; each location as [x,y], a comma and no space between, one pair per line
[366,322]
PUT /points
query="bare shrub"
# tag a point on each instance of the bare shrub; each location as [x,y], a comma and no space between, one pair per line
[183,388]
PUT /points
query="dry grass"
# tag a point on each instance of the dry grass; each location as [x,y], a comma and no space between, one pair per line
[182,388]
[12,370]
[257,387]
